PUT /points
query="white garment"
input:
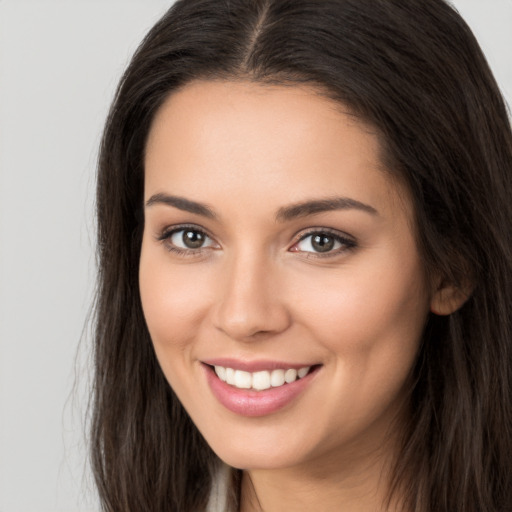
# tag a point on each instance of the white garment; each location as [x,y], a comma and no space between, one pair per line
[218,501]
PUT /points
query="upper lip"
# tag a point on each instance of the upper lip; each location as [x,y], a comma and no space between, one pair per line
[254,366]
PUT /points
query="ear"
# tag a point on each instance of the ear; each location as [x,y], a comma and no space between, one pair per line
[448,298]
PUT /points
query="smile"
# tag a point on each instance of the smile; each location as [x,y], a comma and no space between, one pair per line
[251,390]
[261,380]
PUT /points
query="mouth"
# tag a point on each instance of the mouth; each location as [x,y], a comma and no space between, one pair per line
[260,392]
[260,380]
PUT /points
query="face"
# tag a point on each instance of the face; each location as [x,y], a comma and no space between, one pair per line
[279,274]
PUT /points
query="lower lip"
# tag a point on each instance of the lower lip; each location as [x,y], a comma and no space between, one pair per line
[247,402]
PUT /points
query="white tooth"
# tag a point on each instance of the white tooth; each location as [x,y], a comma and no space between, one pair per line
[243,379]
[261,380]
[221,372]
[277,378]
[303,371]
[230,376]
[290,376]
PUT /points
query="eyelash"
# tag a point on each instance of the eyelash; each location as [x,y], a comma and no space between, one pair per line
[166,235]
[347,243]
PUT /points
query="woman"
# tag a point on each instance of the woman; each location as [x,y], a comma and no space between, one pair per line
[305,264]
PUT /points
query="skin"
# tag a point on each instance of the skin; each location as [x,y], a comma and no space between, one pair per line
[256,291]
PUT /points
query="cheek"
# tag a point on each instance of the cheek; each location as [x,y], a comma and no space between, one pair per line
[172,306]
[172,298]
[369,320]
[364,308]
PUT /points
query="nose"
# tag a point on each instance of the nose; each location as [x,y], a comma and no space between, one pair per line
[250,304]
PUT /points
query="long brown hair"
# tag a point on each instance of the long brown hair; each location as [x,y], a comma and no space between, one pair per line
[414,71]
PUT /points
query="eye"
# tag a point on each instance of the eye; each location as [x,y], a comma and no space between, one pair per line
[189,239]
[323,242]
[186,240]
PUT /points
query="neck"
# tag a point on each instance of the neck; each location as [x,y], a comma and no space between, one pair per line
[355,485]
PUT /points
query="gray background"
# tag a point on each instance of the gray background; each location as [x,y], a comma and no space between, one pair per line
[59,64]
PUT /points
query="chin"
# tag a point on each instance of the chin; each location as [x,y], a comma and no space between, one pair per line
[263,449]
[250,460]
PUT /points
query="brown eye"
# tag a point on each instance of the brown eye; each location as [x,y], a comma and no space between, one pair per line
[188,238]
[193,239]
[322,242]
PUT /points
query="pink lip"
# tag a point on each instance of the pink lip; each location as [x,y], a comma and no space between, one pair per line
[254,366]
[247,402]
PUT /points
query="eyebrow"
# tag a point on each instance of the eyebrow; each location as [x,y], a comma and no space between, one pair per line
[312,207]
[182,204]
[286,213]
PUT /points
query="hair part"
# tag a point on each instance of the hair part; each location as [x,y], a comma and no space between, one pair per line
[414,71]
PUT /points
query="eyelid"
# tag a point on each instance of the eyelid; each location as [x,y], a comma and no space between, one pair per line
[169,230]
[165,235]
[347,241]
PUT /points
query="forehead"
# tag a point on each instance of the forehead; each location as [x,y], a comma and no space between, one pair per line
[248,140]
[259,113]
